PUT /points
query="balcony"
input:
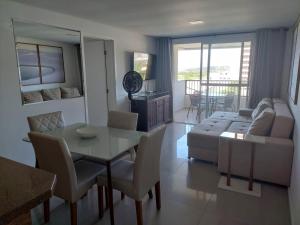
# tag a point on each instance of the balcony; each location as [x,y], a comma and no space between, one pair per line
[215,95]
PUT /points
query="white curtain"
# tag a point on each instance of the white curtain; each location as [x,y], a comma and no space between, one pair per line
[268,65]
[164,67]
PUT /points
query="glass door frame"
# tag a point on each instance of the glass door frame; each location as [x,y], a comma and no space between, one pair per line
[220,39]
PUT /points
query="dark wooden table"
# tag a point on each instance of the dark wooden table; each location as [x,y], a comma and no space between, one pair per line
[21,189]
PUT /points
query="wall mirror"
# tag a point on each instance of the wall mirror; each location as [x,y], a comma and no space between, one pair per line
[49,62]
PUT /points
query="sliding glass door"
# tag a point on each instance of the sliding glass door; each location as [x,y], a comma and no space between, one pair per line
[218,72]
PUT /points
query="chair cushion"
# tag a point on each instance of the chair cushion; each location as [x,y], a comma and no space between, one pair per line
[239,127]
[76,156]
[32,97]
[283,122]
[69,92]
[262,125]
[86,173]
[263,104]
[51,94]
[122,177]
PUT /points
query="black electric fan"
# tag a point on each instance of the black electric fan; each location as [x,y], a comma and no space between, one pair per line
[132,83]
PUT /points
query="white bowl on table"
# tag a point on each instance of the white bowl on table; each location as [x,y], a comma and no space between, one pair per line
[87,132]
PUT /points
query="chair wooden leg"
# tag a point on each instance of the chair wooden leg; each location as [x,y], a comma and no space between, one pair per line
[150,194]
[122,195]
[73,207]
[100,201]
[47,211]
[139,212]
[157,195]
[106,197]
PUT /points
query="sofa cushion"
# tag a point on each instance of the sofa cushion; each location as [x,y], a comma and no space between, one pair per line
[283,122]
[206,134]
[278,100]
[263,104]
[51,94]
[262,124]
[232,116]
[239,127]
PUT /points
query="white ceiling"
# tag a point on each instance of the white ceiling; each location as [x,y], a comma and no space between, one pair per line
[170,17]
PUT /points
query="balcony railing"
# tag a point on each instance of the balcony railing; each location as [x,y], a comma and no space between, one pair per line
[216,87]
[219,88]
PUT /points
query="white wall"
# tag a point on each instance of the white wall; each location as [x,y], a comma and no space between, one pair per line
[294,190]
[13,124]
[71,65]
[178,95]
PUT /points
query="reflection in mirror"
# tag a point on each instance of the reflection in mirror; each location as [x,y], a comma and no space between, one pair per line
[49,62]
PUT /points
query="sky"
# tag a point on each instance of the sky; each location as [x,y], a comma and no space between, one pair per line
[228,57]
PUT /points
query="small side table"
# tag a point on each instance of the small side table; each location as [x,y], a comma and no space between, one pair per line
[239,185]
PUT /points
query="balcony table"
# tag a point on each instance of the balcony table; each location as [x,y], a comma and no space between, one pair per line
[109,144]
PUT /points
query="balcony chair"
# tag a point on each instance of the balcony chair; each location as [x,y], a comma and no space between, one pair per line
[199,102]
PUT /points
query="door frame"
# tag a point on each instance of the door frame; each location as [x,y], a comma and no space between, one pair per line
[109,68]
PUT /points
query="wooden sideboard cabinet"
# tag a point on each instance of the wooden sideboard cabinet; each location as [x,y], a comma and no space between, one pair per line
[153,110]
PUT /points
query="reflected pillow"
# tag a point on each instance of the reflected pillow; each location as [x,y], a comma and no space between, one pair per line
[32,97]
[69,92]
[51,94]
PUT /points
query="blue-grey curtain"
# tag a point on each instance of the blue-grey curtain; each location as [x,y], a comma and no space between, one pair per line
[164,67]
[268,65]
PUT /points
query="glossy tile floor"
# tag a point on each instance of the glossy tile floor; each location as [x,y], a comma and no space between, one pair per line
[180,116]
[189,196]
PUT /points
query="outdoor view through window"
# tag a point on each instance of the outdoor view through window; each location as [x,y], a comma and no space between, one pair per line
[219,69]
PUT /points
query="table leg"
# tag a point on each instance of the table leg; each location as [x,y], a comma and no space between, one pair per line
[110,194]
[251,167]
[229,163]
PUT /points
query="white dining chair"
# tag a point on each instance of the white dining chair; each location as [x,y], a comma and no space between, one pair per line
[122,120]
[135,179]
[48,122]
[74,179]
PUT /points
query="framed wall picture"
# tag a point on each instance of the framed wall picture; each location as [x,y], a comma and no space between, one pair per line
[40,64]
[295,69]
[52,64]
[28,60]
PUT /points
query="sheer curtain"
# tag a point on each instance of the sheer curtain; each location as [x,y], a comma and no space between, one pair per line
[164,67]
[268,65]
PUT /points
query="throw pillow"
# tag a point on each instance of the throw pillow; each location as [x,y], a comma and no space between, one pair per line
[69,92]
[263,104]
[51,94]
[32,97]
[262,124]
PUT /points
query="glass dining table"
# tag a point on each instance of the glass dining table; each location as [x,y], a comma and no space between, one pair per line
[109,145]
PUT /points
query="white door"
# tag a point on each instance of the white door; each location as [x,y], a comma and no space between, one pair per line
[96,81]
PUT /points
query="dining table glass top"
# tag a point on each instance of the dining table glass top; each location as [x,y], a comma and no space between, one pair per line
[108,144]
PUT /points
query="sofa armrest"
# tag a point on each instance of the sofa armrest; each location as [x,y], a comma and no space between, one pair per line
[245,112]
[273,160]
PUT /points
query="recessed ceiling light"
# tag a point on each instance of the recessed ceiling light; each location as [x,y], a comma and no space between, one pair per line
[195,22]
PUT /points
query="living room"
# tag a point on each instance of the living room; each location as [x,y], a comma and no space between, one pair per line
[221,80]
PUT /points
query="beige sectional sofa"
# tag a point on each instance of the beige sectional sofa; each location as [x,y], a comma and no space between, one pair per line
[273,160]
